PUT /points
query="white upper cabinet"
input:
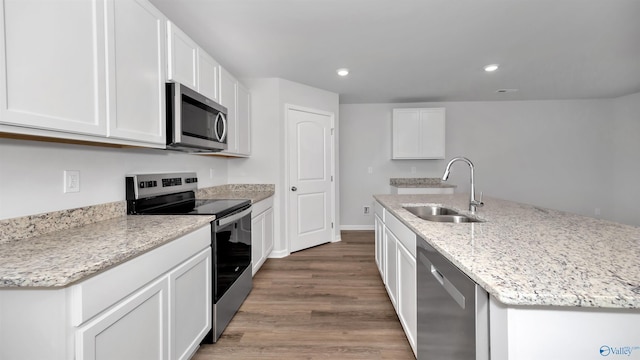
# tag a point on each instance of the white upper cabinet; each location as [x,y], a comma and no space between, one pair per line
[183,57]
[418,133]
[84,70]
[53,73]
[236,98]
[190,65]
[208,76]
[243,120]
[137,48]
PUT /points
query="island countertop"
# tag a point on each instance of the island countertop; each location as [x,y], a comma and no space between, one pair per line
[527,255]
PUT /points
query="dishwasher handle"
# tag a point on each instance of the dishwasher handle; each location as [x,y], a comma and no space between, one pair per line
[448,286]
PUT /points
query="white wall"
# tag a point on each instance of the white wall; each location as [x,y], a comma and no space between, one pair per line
[555,154]
[267,162]
[31,173]
[625,160]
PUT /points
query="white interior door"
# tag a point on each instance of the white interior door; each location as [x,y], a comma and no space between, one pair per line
[310,177]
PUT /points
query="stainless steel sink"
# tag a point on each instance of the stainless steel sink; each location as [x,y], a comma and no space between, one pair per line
[439,214]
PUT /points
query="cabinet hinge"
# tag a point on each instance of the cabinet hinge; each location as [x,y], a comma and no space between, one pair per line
[331,178]
[332,225]
[331,131]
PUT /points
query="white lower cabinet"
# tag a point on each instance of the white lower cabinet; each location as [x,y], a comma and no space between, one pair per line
[133,329]
[261,233]
[396,260]
[379,226]
[190,305]
[407,294]
[391,266]
[154,306]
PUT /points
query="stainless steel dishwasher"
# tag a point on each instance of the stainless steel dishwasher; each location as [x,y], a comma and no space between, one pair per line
[453,315]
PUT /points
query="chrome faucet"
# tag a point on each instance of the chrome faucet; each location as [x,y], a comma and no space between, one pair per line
[473,203]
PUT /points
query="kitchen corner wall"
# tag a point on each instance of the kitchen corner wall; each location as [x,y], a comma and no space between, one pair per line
[574,155]
[31,173]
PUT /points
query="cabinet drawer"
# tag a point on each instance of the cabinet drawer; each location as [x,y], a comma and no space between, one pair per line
[261,206]
[402,232]
[92,296]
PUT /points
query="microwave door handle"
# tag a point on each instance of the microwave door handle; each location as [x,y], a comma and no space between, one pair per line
[219,117]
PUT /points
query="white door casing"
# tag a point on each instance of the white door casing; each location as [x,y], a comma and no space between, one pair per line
[310,163]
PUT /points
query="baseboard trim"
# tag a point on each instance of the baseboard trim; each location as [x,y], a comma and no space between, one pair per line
[357,227]
[279,254]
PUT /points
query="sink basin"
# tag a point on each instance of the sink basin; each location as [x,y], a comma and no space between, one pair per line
[430,210]
[439,214]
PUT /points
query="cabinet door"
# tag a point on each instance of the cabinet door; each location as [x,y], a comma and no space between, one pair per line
[379,236]
[407,294]
[190,304]
[52,65]
[137,74]
[432,133]
[183,57]
[228,98]
[133,329]
[390,266]
[257,242]
[243,121]
[208,76]
[406,133]
[268,233]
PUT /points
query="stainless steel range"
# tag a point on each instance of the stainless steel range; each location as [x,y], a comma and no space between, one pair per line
[174,194]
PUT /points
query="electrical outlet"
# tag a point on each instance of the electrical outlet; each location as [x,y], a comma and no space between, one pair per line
[370,169]
[413,169]
[366,210]
[211,173]
[71,181]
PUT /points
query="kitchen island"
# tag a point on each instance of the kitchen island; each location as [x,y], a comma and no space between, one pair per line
[561,286]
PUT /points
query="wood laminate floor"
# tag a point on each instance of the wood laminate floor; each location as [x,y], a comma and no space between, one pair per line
[327,302]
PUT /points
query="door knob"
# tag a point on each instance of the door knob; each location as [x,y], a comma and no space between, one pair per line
[293,188]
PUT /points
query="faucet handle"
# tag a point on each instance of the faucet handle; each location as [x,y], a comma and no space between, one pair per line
[478,202]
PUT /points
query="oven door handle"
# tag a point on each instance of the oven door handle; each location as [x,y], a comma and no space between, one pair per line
[232,218]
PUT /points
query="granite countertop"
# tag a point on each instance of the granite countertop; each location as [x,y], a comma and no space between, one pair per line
[419,183]
[253,192]
[526,255]
[59,248]
[60,258]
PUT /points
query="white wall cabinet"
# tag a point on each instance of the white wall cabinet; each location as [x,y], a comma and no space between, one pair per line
[261,232]
[137,49]
[396,260]
[81,70]
[155,306]
[418,133]
[237,99]
[190,65]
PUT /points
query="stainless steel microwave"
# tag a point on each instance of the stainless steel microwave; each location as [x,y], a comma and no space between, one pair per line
[195,123]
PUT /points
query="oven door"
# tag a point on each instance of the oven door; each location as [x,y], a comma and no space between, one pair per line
[231,250]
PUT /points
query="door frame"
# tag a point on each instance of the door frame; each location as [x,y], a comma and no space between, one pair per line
[287,180]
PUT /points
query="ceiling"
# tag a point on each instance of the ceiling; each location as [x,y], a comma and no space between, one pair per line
[425,50]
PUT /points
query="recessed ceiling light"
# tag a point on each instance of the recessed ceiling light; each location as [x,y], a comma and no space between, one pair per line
[343,71]
[491,68]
